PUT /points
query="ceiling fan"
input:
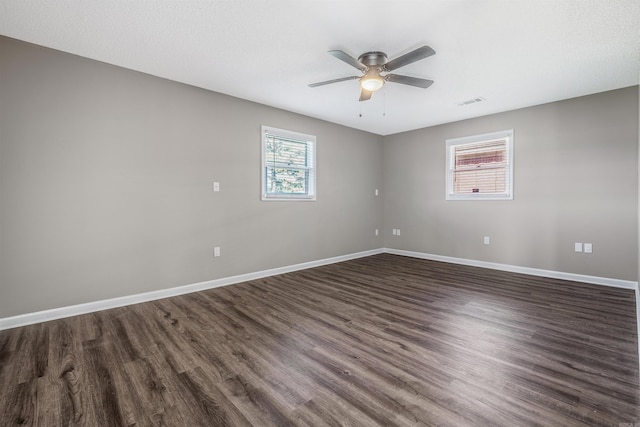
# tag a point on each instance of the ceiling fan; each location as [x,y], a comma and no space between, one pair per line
[374,64]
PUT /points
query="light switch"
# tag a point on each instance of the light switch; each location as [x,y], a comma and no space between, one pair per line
[216,186]
[578,247]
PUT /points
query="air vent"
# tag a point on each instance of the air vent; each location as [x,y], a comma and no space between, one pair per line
[471,101]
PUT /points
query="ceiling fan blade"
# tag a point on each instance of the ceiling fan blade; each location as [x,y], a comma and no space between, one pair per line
[406,80]
[365,95]
[409,58]
[328,82]
[348,59]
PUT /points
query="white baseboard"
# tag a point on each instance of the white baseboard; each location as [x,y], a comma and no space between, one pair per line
[605,281]
[74,310]
[62,312]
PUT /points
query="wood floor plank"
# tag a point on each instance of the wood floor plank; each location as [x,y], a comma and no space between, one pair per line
[382,340]
[67,405]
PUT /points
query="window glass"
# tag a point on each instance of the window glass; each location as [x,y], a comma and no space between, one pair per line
[288,165]
[480,167]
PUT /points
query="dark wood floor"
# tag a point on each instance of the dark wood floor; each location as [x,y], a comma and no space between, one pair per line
[383,340]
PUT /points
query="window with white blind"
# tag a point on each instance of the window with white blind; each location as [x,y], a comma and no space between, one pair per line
[480,167]
[288,165]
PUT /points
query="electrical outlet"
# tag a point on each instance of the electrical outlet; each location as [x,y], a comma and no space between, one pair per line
[398,232]
[487,240]
[588,248]
[216,186]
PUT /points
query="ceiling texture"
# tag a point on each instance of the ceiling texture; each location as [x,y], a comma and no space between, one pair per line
[510,53]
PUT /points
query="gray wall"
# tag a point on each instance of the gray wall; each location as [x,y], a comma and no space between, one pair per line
[106,184]
[575,180]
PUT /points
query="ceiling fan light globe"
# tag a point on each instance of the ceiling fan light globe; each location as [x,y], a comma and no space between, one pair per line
[371,83]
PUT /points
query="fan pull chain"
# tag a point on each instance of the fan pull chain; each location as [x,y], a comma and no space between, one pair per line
[384,104]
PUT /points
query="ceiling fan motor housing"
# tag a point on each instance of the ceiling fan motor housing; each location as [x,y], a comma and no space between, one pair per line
[373,59]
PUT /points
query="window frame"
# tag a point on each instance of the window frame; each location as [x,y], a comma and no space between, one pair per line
[310,167]
[508,136]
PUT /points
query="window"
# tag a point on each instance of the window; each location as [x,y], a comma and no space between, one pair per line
[288,165]
[480,167]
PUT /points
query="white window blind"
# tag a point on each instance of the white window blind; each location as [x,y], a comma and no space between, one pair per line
[288,165]
[480,167]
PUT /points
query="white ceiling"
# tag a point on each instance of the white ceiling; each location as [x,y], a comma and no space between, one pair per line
[513,53]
